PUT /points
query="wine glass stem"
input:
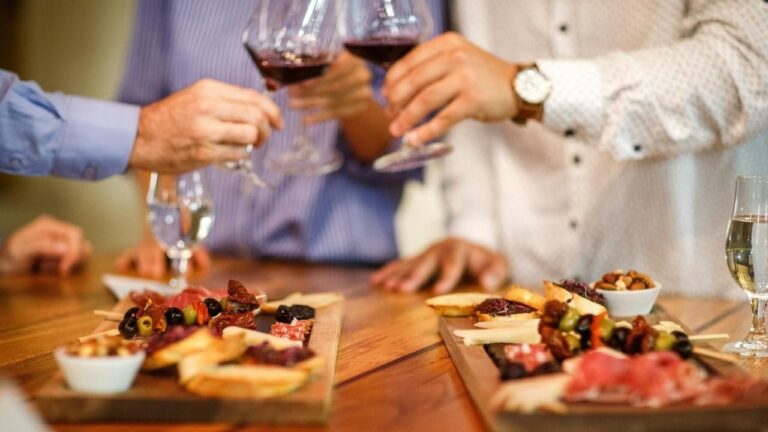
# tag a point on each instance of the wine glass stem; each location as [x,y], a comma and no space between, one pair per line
[180,267]
[758,317]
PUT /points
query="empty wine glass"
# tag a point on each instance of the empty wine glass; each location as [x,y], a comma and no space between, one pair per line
[383,31]
[245,167]
[181,215]
[746,251]
[290,42]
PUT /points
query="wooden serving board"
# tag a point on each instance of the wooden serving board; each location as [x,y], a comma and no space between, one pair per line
[157,397]
[481,377]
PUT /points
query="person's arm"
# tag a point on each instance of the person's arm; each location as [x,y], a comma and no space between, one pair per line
[706,91]
[68,136]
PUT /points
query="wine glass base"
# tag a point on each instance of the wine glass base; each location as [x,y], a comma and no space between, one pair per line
[750,347]
[297,163]
[408,157]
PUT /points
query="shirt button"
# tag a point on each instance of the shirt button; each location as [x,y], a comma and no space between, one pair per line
[637,148]
[576,160]
[573,224]
[563,28]
[570,132]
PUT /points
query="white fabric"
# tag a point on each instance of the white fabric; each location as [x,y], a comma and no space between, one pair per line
[667,101]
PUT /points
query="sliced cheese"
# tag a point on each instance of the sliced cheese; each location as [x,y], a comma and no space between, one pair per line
[505,323]
[522,334]
[253,337]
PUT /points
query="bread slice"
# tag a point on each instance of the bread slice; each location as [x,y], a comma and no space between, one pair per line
[175,352]
[517,316]
[247,381]
[253,337]
[222,351]
[317,301]
[458,304]
[527,297]
[583,305]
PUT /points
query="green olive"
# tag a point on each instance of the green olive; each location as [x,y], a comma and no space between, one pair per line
[145,326]
[190,315]
[664,341]
[606,328]
[569,319]
[573,342]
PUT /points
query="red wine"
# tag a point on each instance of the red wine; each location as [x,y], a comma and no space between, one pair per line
[381,51]
[277,70]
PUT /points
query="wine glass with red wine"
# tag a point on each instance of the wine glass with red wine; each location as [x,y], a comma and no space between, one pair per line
[383,31]
[291,41]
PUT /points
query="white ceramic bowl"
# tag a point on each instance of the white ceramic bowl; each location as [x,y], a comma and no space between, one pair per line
[630,303]
[111,374]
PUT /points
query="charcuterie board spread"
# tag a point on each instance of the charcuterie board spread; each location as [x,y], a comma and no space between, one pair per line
[202,356]
[560,361]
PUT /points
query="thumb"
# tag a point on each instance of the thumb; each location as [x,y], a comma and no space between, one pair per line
[494,275]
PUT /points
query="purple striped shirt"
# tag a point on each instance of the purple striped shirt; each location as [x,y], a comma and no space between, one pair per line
[347,216]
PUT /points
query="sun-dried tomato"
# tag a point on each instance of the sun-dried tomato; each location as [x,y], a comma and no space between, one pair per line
[244,320]
[202,313]
[594,330]
[159,323]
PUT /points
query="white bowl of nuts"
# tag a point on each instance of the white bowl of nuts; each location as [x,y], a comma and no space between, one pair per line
[628,294]
[103,365]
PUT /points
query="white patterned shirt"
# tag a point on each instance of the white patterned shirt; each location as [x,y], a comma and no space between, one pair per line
[657,105]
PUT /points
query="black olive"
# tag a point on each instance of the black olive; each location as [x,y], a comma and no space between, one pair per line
[128,328]
[512,370]
[174,316]
[546,368]
[214,307]
[680,336]
[618,338]
[683,348]
[302,312]
[131,313]
[583,324]
[283,314]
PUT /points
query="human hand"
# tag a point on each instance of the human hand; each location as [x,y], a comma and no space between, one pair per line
[209,122]
[450,74]
[148,259]
[45,245]
[343,90]
[447,261]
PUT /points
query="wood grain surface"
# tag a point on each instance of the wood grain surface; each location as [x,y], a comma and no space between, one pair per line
[392,372]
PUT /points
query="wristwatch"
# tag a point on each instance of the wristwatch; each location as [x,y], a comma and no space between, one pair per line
[531,88]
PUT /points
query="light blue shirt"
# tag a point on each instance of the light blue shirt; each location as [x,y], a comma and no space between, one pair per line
[54,134]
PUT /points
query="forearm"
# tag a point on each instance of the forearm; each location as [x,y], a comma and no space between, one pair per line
[367,132]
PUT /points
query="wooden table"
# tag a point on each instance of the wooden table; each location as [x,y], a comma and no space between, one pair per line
[393,372]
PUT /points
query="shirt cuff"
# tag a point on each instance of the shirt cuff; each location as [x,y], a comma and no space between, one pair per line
[576,103]
[97,137]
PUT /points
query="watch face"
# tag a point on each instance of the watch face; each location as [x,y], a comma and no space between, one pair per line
[532,86]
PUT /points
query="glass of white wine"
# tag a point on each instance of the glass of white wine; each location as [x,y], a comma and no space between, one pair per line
[746,251]
[181,215]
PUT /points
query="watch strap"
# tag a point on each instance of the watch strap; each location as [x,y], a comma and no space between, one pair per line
[526,110]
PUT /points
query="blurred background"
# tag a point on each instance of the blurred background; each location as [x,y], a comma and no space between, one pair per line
[79,47]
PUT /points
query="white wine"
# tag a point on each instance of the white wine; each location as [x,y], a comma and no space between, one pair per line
[746,250]
[180,226]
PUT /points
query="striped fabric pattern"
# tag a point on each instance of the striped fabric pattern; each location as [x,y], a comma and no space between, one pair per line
[343,217]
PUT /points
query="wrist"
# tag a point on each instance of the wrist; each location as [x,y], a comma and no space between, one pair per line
[531,89]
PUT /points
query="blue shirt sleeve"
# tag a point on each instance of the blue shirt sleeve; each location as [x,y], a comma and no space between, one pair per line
[67,136]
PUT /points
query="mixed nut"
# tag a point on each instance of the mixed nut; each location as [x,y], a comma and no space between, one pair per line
[632,280]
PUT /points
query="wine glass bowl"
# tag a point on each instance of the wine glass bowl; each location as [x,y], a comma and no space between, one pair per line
[290,42]
[181,216]
[746,253]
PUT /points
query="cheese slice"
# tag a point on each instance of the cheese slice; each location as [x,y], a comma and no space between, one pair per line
[505,323]
[253,337]
[522,334]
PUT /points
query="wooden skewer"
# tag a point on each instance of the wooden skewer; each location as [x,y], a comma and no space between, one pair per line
[709,337]
[109,315]
[113,332]
[706,352]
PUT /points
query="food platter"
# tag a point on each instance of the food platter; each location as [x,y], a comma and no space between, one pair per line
[481,377]
[158,397]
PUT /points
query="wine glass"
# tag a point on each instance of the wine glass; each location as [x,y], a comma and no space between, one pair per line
[289,42]
[746,251]
[244,166]
[181,215]
[383,31]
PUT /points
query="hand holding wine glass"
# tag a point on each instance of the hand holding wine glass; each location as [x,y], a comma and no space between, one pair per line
[747,257]
[181,215]
[290,42]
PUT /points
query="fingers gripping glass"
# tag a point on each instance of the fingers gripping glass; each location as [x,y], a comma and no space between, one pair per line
[383,31]
[290,42]
[181,216]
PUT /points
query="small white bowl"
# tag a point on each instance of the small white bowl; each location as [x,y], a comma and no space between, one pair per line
[103,375]
[630,303]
